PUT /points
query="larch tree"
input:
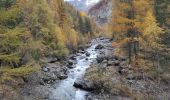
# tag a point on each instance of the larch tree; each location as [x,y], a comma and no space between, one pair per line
[127,18]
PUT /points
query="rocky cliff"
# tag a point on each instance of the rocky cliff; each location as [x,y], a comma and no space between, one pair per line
[101,12]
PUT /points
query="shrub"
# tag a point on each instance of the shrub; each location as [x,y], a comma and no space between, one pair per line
[106,80]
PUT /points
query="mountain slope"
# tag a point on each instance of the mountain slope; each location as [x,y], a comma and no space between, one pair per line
[101,12]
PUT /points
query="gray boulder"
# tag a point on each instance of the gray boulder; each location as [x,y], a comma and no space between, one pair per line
[82,84]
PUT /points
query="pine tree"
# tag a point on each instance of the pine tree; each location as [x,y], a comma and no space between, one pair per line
[82,27]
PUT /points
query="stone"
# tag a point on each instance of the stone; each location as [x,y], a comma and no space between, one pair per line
[45,69]
[72,66]
[72,57]
[62,76]
[70,63]
[87,54]
[99,46]
[82,84]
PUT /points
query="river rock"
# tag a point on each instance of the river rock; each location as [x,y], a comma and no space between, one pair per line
[81,57]
[72,66]
[87,54]
[72,57]
[101,58]
[62,76]
[81,51]
[49,78]
[99,46]
[82,84]
[70,62]
[81,48]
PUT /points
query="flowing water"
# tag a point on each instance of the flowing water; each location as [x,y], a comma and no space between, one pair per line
[65,90]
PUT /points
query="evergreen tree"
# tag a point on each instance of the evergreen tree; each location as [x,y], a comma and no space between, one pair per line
[82,27]
[88,25]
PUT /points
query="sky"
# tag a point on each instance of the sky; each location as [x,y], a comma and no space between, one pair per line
[88,2]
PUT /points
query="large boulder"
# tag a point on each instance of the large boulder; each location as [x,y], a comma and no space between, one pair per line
[101,58]
[83,84]
[99,46]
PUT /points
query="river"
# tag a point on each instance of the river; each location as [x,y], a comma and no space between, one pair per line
[65,90]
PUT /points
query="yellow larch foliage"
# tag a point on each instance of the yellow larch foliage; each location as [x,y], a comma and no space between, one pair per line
[73,38]
[151,30]
[83,14]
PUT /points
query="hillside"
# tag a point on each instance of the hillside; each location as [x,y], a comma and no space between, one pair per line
[33,33]
[84,49]
[101,12]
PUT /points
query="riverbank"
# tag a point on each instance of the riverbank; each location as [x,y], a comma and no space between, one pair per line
[93,72]
[40,84]
[111,77]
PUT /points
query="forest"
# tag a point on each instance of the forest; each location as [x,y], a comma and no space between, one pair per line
[43,41]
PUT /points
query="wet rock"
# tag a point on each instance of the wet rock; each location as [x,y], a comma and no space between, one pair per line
[81,48]
[87,54]
[86,59]
[78,70]
[82,84]
[72,66]
[72,57]
[70,62]
[62,76]
[82,57]
[99,46]
[80,51]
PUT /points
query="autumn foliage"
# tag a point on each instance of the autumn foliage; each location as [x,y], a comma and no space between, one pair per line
[132,20]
